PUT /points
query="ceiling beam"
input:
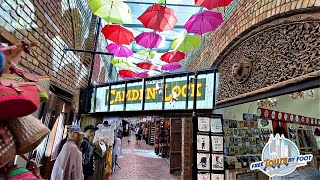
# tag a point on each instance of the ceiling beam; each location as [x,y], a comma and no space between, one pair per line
[149,3]
[158,50]
[141,26]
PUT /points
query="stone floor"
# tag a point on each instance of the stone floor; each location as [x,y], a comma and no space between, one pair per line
[139,162]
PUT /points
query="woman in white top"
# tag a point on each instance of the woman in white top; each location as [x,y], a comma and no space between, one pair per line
[136,132]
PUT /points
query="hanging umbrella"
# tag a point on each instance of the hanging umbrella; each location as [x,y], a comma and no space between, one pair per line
[210,4]
[143,75]
[112,11]
[147,66]
[171,66]
[119,63]
[149,39]
[173,56]
[158,18]
[118,34]
[186,43]
[125,73]
[203,22]
[119,50]
[149,53]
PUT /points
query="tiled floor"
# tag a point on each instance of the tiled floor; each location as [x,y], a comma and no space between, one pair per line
[139,162]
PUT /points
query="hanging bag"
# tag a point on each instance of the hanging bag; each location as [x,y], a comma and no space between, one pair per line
[18,99]
[28,133]
[7,145]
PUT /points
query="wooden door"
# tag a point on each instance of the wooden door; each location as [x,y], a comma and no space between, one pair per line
[175,144]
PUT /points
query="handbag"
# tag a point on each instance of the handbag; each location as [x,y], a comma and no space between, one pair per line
[28,133]
[18,99]
[7,145]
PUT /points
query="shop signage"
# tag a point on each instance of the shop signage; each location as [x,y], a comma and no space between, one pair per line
[174,91]
[280,157]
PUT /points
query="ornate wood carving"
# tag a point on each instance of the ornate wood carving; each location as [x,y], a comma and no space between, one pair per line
[281,52]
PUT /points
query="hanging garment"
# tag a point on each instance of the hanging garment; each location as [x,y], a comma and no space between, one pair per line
[68,163]
[87,158]
[109,161]
[117,147]
[99,161]
[106,132]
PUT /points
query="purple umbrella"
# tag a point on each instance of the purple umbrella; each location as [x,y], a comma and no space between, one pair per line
[203,22]
[143,75]
[119,50]
[149,39]
[171,66]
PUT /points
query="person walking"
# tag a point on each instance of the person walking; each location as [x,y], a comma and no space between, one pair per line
[87,150]
[140,131]
[68,165]
[136,132]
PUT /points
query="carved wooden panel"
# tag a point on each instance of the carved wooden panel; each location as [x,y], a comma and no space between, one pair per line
[281,52]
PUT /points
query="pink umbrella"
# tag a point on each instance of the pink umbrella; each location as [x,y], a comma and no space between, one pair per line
[171,66]
[149,39]
[203,22]
[119,50]
[143,75]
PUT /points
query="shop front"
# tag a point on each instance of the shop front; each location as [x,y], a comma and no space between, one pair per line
[159,105]
[269,84]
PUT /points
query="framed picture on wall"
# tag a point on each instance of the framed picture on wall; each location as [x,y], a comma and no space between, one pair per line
[204,124]
[217,162]
[203,142]
[203,176]
[203,161]
[217,176]
[216,125]
[217,143]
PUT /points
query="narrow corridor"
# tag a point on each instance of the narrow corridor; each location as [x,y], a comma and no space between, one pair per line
[139,162]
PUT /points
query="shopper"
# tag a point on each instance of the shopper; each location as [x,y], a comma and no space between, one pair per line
[136,132]
[69,161]
[140,131]
[87,150]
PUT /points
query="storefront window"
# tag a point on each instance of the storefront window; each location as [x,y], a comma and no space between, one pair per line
[176,93]
[247,127]
[154,94]
[117,97]
[134,96]
[102,99]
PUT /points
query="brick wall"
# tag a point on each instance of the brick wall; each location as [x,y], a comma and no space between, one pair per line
[247,14]
[186,148]
[55,25]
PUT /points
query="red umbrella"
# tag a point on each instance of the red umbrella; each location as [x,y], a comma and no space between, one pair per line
[210,4]
[173,56]
[159,18]
[127,73]
[147,65]
[117,34]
